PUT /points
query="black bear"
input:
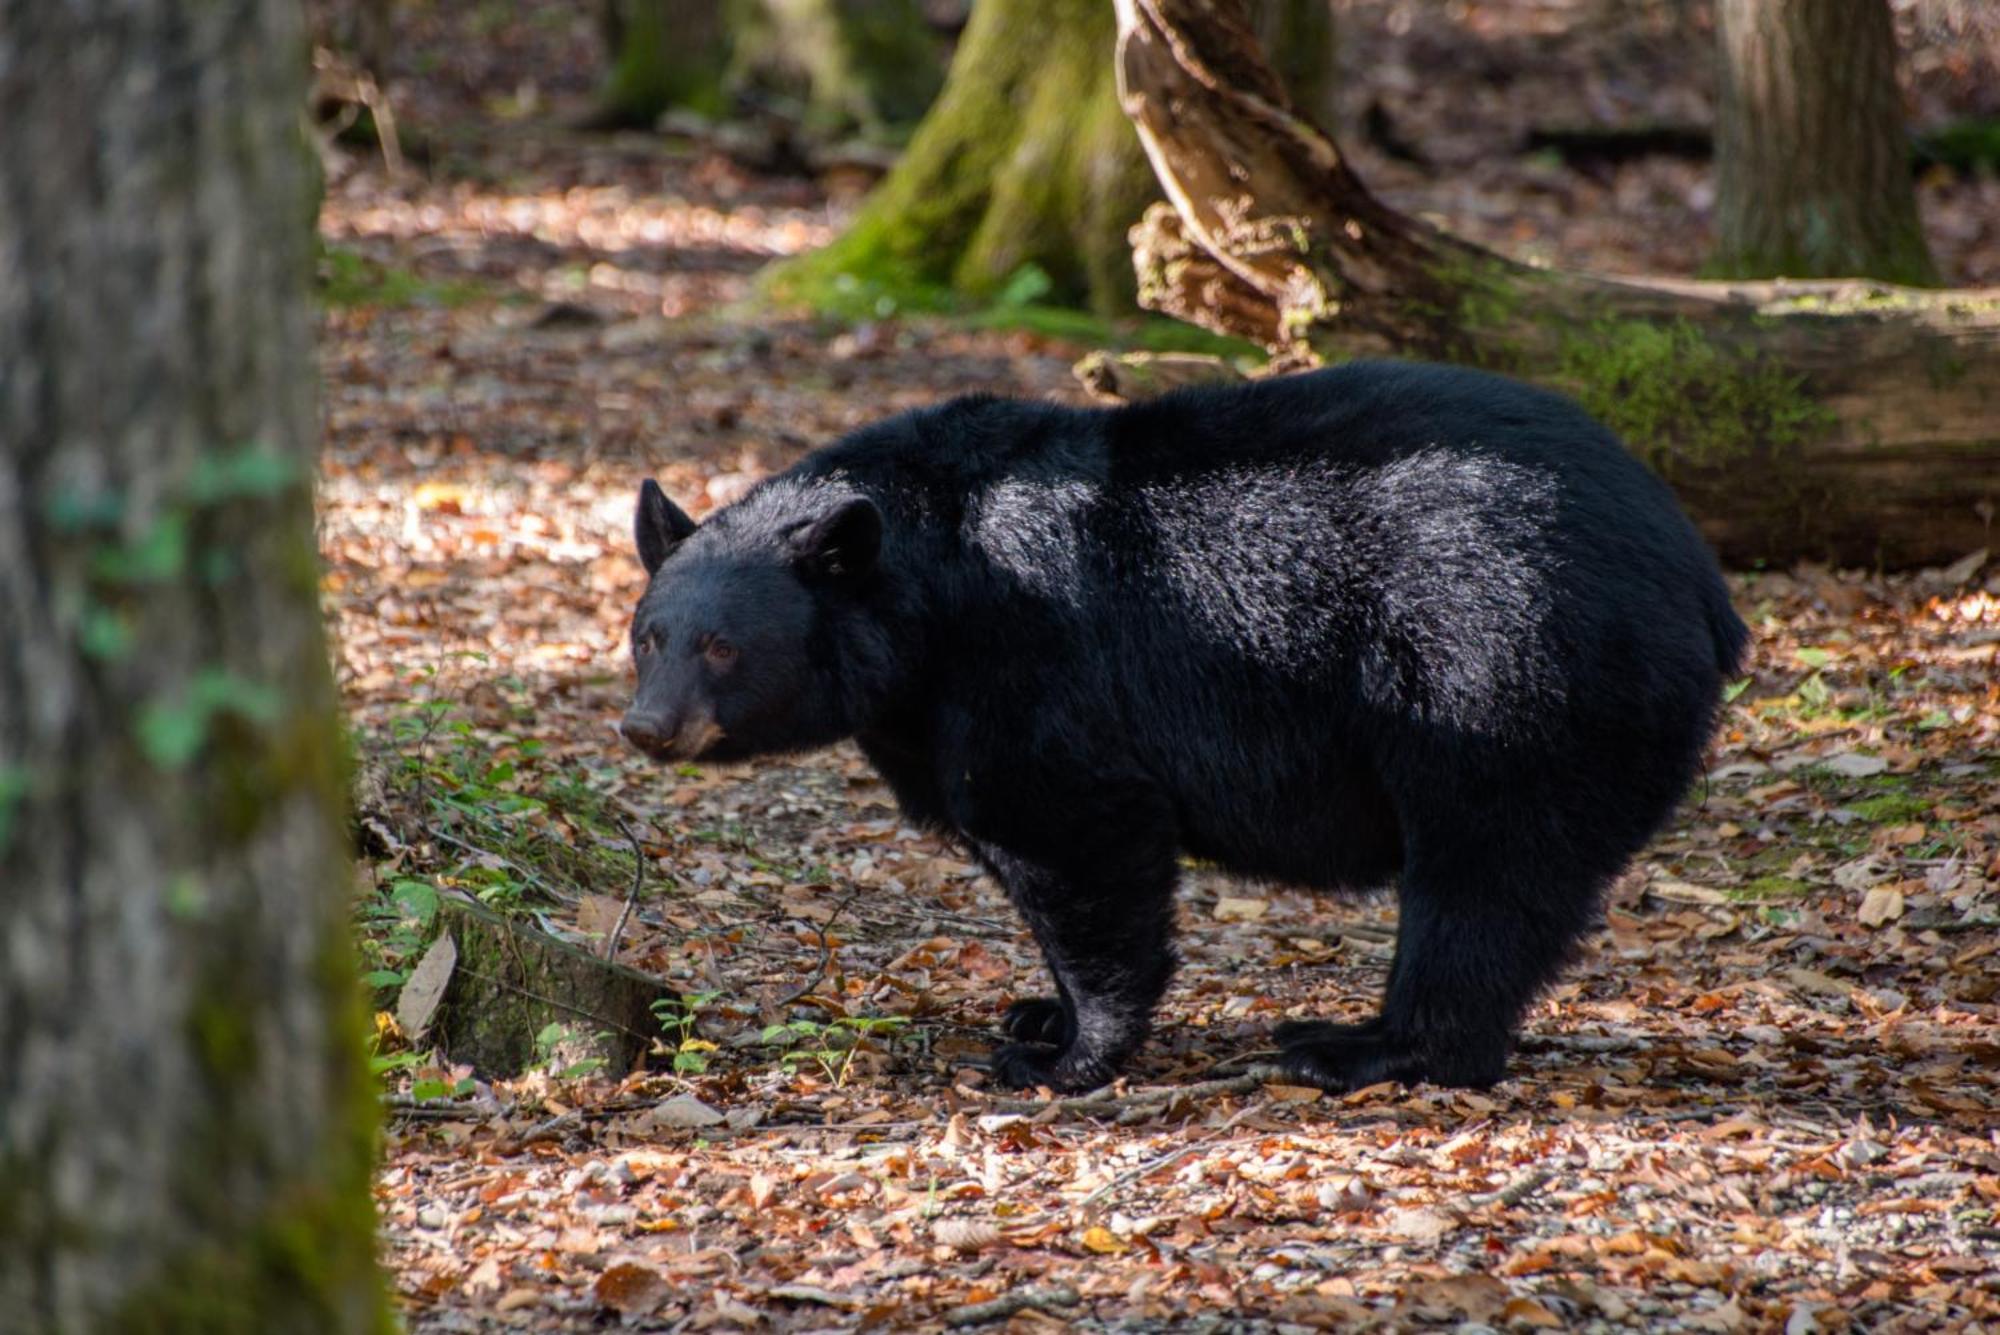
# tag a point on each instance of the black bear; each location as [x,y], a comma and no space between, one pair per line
[1384,622]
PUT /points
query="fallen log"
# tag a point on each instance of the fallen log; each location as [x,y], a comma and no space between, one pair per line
[1844,421]
[488,987]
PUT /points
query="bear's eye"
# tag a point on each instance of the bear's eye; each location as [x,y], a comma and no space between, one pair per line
[645,645]
[719,652]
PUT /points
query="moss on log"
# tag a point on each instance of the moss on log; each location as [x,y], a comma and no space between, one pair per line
[1845,421]
[511,982]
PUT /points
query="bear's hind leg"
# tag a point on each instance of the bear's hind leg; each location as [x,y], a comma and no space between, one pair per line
[1472,952]
[1038,1020]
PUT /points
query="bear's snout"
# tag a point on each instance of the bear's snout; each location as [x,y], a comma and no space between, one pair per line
[651,733]
[665,737]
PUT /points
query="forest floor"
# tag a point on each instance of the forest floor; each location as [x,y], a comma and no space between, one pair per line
[1765,1098]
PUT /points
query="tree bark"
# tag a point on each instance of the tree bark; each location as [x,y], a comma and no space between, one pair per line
[870,67]
[1850,422]
[186,1116]
[662,53]
[1812,155]
[1026,159]
[867,66]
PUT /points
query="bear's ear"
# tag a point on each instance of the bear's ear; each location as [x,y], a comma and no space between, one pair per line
[660,526]
[843,541]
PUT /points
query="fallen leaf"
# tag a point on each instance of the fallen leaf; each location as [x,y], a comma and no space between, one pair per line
[631,1289]
[1881,904]
[425,987]
[1103,1241]
[1528,1312]
[681,1113]
[971,1235]
[1228,908]
[1854,764]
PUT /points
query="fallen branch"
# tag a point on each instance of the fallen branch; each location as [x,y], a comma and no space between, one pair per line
[1007,1304]
[1104,1101]
[1522,1187]
[825,951]
[638,881]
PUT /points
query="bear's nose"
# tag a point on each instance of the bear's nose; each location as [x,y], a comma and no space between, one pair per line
[651,733]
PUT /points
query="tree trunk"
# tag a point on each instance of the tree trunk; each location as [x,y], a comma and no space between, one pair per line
[851,66]
[1026,159]
[186,1116]
[1298,35]
[663,53]
[1841,421]
[868,66]
[1812,156]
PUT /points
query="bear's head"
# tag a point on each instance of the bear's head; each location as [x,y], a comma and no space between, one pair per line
[742,637]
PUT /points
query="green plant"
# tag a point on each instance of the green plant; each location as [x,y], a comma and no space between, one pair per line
[394,926]
[832,1045]
[677,1016]
[350,279]
[549,1055]
[512,827]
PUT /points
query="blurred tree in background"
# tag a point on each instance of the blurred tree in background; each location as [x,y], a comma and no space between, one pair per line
[1028,163]
[843,66]
[186,1115]
[1812,153]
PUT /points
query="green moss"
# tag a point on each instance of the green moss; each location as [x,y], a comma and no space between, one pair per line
[1766,888]
[1892,808]
[1679,396]
[1026,158]
[866,65]
[1146,334]
[654,69]
[307,1262]
[1968,146]
[348,279]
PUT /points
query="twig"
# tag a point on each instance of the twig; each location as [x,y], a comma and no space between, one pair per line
[1522,1187]
[1007,1304]
[1102,1102]
[825,951]
[638,881]
[403,1105]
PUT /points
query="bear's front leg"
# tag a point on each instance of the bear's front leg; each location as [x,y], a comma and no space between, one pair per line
[1105,930]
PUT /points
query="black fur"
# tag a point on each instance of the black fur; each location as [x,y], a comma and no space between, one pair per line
[1387,622]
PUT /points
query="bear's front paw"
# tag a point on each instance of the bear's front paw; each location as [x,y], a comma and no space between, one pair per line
[1038,1020]
[1034,1065]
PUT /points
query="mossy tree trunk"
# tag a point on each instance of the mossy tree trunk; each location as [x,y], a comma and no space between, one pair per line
[1844,421]
[847,66]
[661,54]
[1026,159]
[871,67]
[186,1116]
[1812,155]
